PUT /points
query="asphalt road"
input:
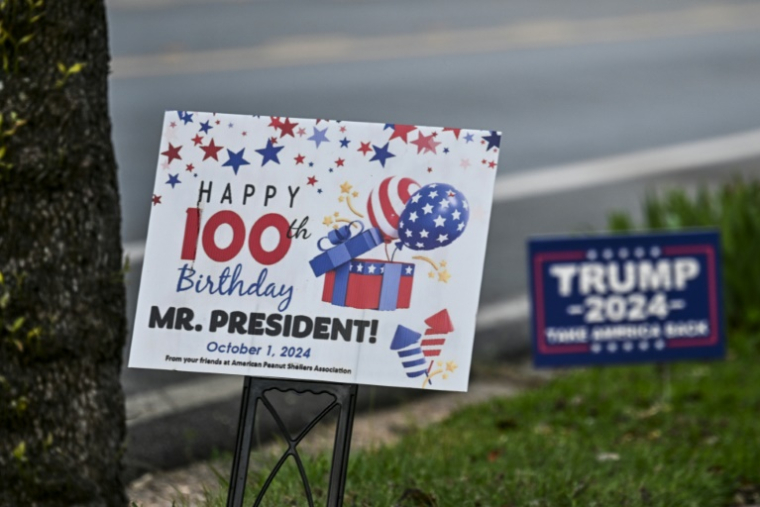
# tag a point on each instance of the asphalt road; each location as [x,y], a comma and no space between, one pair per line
[565,101]
[564,81]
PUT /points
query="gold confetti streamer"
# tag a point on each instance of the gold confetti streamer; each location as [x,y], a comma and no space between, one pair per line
[351,207]
[345,188]
[450,367]
[439,269]
[426,259]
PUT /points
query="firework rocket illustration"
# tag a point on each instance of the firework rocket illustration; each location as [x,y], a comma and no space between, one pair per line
[417,354]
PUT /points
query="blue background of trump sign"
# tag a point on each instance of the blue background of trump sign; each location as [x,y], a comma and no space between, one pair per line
[626,299]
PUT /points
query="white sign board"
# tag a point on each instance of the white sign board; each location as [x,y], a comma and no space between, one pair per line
[314,249]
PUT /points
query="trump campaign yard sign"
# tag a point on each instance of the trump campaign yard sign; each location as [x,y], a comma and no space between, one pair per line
[315,249]
[626,298]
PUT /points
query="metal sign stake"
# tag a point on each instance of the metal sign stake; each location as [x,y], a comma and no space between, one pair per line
[254,389]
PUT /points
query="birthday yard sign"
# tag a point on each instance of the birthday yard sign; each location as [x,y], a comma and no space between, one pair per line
[314,249]
[626,298]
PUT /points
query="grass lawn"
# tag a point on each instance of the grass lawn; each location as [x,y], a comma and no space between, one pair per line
[606,437]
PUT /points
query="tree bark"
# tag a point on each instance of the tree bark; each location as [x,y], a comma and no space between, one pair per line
[62,322]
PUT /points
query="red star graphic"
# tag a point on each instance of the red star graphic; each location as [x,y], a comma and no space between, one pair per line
[173,124]
[275,122]
[492,164]
[156,199]
[301,132]
[401,131]
[273,139]
[189,167]
[287,128]
[197,140]
[245,133]
[343,129]
[365,148]
[218,122]
[430,169]
[427,143]
[299,159]
[455,131]
[211,151]
[339,162]
[312,180]
[172,153]
[483,161]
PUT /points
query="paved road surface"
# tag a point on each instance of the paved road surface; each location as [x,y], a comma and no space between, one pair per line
[564,81]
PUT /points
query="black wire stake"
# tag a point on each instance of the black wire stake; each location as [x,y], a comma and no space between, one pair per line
[254,389]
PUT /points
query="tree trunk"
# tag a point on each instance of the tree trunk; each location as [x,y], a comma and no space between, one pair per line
[62,321]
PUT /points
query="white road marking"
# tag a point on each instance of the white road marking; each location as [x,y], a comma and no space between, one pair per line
[134,251]
[503,312]
[641,164]
[637,165]
[339,48]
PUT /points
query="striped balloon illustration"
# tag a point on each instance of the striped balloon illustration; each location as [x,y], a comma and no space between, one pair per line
[387,201]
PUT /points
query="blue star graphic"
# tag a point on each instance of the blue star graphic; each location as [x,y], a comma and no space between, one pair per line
[311,164]
[185,117]
[319,137]
[445,150]
[381,154]
[331,169]
[235,160]
[269,153]
[493,139]
[173,180]
[389,126]
[319,190]
[468,138]
[344,142]
[205,127]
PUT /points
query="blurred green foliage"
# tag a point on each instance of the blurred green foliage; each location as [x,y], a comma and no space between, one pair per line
[734,209]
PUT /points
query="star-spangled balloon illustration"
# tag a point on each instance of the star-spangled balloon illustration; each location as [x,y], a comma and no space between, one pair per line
[434,216]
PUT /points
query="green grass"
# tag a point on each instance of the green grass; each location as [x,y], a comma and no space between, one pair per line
[623,436]
[611,436]
[734,208]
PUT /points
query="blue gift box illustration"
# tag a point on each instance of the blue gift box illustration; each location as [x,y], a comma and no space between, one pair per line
[361,283]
